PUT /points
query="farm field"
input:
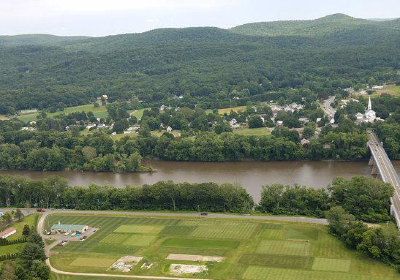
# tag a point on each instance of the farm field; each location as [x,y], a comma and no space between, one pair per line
[390,89]
[252,249]
[252,131]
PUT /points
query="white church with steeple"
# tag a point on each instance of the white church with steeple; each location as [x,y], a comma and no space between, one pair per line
[370,114]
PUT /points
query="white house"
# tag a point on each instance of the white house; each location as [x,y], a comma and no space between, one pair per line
[169,129]
[132,129]
[233,122]
[377,87]
[91,125]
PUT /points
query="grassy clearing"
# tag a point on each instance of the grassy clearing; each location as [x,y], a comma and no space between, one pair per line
[235,109]
[138,113]
[139,229]
[252,131]
[93,262]
[289,248]
[140,240]
[11,249]
[200,243]
[99,112]
[29,220]
[390,89]
[331,264]
[253,250]
[226,230]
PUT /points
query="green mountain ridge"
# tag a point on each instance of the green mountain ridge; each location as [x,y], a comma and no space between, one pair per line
[207,65]
[318,27]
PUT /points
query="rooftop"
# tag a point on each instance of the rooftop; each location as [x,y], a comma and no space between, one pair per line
[67,227]
[7,231]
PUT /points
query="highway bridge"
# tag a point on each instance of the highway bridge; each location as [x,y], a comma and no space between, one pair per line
[382,167]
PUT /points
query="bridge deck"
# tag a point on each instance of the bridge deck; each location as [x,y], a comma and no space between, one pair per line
[387,172]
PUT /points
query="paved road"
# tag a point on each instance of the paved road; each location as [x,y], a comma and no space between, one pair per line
[326,106]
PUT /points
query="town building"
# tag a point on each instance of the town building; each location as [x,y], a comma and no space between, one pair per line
[8,232]
[132,129]
[370,114]
[63,228]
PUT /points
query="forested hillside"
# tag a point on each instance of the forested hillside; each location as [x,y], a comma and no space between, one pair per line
[208,66]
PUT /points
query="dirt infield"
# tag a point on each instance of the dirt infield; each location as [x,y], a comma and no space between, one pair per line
[178,269]
[195,258]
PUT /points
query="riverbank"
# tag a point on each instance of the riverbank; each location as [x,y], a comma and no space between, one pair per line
[251,175]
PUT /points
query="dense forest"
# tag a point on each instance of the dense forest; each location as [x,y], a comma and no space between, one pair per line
[366,198]
[44,150]
[208,66]
[54,191]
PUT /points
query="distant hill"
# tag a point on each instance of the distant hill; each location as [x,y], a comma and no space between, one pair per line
[310,28]
[207,65]
[38,39]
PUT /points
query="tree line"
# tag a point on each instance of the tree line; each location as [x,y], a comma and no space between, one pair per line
[54,191]
[367,199]
[52,150]
[374,242]
[29,264]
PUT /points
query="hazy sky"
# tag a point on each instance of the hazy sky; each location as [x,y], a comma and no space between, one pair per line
[105,17]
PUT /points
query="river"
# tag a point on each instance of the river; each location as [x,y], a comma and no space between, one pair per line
[251,175]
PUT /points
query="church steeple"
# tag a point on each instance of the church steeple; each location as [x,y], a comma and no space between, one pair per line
[369,104]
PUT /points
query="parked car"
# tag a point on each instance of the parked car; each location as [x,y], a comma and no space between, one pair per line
[40,210]
[204,214]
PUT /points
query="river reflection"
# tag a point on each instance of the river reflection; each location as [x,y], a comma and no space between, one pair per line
[251,175]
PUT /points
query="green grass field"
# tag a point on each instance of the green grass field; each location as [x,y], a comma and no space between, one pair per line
[253,250]
[390,89]
[252,131]
[99,112]
[31,221]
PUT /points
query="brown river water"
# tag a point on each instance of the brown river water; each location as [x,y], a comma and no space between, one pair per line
[251,175]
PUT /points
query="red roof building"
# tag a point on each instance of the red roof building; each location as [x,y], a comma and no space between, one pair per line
[8,232]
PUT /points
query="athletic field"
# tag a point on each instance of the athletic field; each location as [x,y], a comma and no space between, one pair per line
[253,250]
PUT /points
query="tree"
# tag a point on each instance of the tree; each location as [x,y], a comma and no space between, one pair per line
[32,252]
[26,230]
[366,198]
[255,121]
[89,153]
[338,220]
[18,214]
[7,218]
[36,239]
[308,132]
[40,270]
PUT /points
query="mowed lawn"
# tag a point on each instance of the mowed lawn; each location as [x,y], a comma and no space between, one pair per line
[98,112]
[253,250]
[252,131]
